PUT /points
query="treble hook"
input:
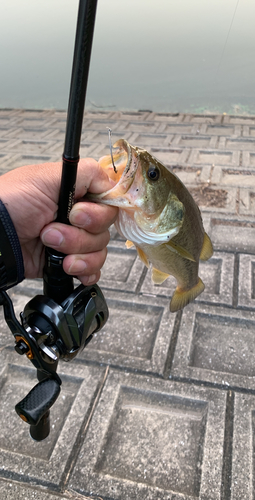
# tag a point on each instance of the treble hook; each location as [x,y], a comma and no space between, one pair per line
[110,145]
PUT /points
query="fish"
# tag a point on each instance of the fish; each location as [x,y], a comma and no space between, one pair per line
[158,215]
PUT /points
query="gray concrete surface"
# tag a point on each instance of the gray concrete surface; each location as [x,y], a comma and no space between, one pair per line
[159,405]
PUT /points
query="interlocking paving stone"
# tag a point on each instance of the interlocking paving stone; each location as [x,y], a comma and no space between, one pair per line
[133,116]
[18,160]
[11,489]
[86,149]
[29,146]
[123,268]
[178,128]
[220,130]
[4,159]
[23,459]
[247,201]
[170,155]
[189,177]
[137,336]
[248,131]
[196,427]
[248,159]
[246,288]
[101,138]
[147,127]
[238,143]
[233,234]
[216,345]
[240,120]
[197,141]
[202,156]
[228,206]
[233,179]
[242,485]
[167,117]
[217,274]
[149,140]
[152,439]
[24,133]
[208,119]
[32,122]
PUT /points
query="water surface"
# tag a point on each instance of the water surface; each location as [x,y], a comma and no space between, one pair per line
[159,55]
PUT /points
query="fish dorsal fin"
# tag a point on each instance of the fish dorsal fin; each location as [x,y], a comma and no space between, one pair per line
[142,256]
[158,277]
[181,297]
[180,250]
[129,244]
[207,248]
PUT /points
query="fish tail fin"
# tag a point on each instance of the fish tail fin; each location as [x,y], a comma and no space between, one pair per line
[207,248]
[181,297]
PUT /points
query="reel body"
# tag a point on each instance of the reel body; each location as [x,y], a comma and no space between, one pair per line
[48,332]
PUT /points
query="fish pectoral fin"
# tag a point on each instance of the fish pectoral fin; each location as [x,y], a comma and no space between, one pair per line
[143,256]
[181,297]
[180,250]
[207,248]
[129,244]
[158,277]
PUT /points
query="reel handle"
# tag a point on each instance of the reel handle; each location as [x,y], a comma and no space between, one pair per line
[34,408]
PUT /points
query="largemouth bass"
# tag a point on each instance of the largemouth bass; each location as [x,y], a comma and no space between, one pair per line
[158,215]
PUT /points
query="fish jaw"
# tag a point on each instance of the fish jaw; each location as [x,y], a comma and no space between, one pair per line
[127,165]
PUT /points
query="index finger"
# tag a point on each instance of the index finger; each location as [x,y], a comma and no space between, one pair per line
[91,177]
[92,217]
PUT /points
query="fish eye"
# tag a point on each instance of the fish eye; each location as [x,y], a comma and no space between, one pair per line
[153,173]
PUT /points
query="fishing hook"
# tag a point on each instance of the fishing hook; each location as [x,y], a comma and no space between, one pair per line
[110,145]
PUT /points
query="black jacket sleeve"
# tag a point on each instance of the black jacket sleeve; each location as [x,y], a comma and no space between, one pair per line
[11,260]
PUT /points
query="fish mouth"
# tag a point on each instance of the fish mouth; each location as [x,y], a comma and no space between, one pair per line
[123,171]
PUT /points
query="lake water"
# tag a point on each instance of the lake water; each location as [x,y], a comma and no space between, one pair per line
[159,55]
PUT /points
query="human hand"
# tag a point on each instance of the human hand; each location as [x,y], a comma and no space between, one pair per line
[31,195]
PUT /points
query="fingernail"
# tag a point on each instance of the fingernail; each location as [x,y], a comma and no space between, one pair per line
[90,279]
[52,237]
[77,267]
[79,218]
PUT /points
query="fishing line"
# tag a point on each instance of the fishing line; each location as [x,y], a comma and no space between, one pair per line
[110,145]
[226,41]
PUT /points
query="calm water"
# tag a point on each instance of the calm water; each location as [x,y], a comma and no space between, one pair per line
[162,55]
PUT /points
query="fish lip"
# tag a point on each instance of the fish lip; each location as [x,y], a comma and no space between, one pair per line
[131,152]
[123,144]
[115,194]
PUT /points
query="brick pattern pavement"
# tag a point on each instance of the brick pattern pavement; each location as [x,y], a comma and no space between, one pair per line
[159,406]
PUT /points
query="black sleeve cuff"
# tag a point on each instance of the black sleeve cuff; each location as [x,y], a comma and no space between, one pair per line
[11,260]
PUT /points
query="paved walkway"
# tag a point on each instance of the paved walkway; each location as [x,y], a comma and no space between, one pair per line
[159,405]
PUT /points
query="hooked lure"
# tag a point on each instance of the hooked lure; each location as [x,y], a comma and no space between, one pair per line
[110,145]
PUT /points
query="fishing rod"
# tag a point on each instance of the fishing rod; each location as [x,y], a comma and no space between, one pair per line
[60,323]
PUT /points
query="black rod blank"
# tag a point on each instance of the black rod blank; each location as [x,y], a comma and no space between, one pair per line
[78,88]
[57,284]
